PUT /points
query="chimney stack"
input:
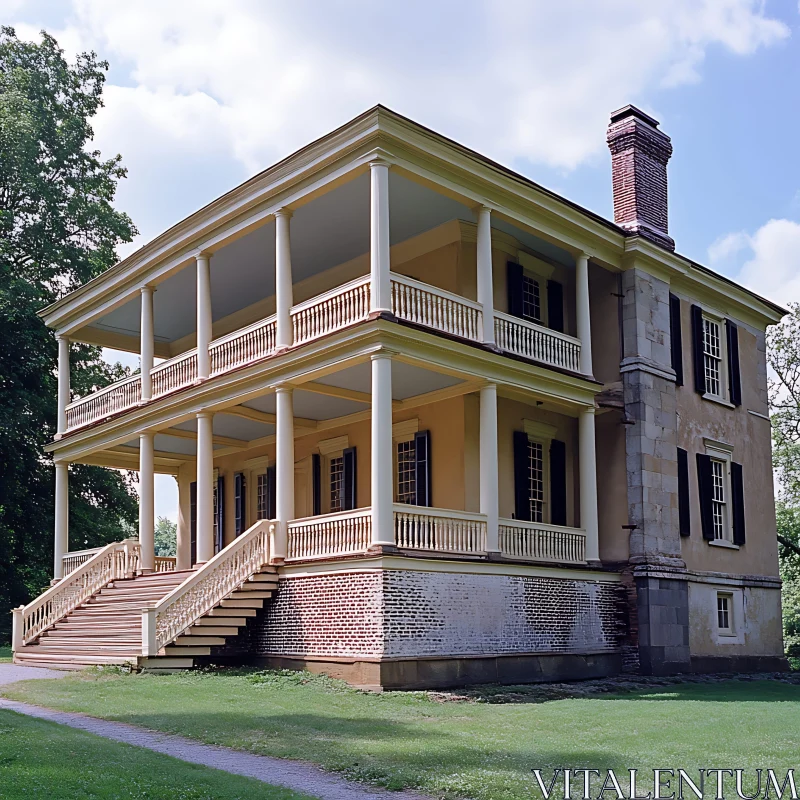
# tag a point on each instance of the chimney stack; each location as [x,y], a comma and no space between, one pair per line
[639,156]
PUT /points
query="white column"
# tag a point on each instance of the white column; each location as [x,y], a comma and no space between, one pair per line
[380,281]
[147,520]
[63,384]
[203,315]
[62,518]
[284,468]
[205,487]
[283,279]
[489,489]
[147,346]
[588,483]
[485,279]
[584,322]
[184,534]
[381,454]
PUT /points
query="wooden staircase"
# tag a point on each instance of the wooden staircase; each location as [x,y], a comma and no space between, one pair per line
[107,628]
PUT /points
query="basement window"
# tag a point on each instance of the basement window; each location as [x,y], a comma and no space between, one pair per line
[725,614]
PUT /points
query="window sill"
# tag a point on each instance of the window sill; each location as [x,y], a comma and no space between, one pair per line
[726,634]
[719,400]
[724,543]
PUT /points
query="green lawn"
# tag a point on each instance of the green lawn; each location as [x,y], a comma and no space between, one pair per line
[40,760]
[5,655]
[474,749]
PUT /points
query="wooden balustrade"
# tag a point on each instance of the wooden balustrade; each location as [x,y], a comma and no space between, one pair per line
[206,587]
[327,535]
[535,541]
[104,402]
[174,374]
[331,311]
[112,562]
[536,342]
[71,561]
[441,530]
[165,563]
[435,308]
[243,346]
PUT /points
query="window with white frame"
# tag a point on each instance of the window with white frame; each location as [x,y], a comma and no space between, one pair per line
[406,491]
[725,613]
[336,471]
[714,357]
[261,495]
[536,481]
[531,299]
[720,455]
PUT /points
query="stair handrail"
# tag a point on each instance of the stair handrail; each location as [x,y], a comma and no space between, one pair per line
[206,587]
[112,562]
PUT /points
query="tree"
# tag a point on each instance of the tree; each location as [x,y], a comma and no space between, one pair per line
[166,537]
[58,229]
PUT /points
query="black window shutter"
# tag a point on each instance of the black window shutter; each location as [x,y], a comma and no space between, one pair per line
[737,492]
[239,504]
[220,543]
[705,487]
[271,493]
[522,490]
[558,483]
[350,476]
[422,468]
[684,523]
[676,338]
[316,482]
[697,350]
[193,520]
[555,306]
[734,376]
[514,288]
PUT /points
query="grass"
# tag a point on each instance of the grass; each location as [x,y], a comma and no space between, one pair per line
[482,750]
[5,654]
[40,760]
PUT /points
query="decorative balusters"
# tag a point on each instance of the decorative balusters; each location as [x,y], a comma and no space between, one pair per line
[538,542]
[243,347]
[533,341]
[331,311]
[112,562]
[104,402]
[165,563]
[336,534]
[73,560]
[435,308]
[445,531]
[174,374]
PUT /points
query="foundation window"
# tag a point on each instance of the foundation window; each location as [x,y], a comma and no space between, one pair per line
[725,614]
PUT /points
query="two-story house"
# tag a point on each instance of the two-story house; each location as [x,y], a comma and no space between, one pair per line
[431,424]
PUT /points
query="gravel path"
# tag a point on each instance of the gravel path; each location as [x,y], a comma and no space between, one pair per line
[280,772]
[9,673]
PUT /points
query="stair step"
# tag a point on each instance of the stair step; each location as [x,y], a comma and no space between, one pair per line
[256,586]
[236,621]
[211,630]
[262,577]
[178,650]
[233,612]
[200,641]
[254,603]
[240,594]
[63,658]
[158,663]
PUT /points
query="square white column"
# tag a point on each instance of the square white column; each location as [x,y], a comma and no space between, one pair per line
[147,562]
[62,518]
[204,319]
[205,487]
[63,385]
[379,244]
[489,488]
[284,470]
[147,344]
[381,453]
[284,336]
[587,457]
[485,277]
[583,317]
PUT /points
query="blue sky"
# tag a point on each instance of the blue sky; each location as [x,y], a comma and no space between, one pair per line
[203,94]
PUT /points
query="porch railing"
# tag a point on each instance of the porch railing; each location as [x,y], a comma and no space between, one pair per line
[533,341]
[441,530]
[112,562]
[71,561]
[168,376]
[331,311]
[205,588]
[535,541]
[436,308]
[104,402]
[338,534]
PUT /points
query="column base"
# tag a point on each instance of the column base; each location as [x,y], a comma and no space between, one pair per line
[383,549]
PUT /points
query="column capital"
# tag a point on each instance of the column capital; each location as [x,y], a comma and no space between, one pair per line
[201,255]
[483,208]
[283,388]
[379,158]
[204,415]
[383,353]
[582,256]
[284,212]
[147,289]
[62,337]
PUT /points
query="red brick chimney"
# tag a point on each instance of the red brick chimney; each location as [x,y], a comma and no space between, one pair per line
[639,156]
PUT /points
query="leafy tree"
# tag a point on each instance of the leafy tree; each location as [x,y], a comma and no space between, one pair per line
[166,537]
[58,229]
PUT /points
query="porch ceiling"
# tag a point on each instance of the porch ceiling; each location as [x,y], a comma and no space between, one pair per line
[330,230]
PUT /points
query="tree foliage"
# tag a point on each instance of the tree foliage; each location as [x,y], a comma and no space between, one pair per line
[166,537]
[58,229]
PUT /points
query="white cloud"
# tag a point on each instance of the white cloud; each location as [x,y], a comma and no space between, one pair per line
[772,265]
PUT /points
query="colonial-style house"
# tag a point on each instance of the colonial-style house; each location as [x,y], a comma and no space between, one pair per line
[431,424]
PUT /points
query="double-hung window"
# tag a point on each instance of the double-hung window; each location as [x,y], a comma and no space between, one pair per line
[536,480]
[336,467]
[406,489]
[261,496]
[713,358]
[720,481]
[531,298]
